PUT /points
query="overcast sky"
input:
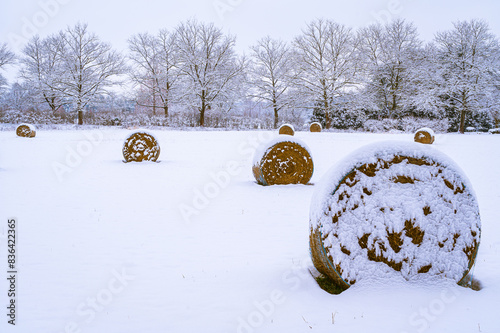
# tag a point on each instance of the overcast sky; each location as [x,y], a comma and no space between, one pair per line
[116,20]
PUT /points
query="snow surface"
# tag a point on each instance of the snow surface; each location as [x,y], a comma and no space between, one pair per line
[388,205]
[107,246]
[428,130]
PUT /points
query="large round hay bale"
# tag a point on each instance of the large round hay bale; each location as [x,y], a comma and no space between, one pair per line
[315,127]
[26,131]
[286,129]
[141,146]
[424,135]
[393,210]
[283,160]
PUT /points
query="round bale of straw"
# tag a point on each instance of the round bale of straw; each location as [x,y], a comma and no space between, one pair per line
[315,127]
[393,210]
[26,131]
[286,129]
[424,135]
[141,146]
[283,160]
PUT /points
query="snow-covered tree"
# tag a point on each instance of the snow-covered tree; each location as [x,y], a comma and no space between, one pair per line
[392,58]
[211,70]
[272,74]
[88,67]
[6,58]
[156,69]
[469,62]
[326,56]
[41,69]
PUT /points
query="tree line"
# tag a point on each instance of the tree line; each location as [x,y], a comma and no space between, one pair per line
[330,73]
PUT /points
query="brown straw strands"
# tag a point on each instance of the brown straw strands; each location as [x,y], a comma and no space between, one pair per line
[315,127]
[26,131]
[425,136]
[283,161]
[141,146]
[286,129]
[360,229]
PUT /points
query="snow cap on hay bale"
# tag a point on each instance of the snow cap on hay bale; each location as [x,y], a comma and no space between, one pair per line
[26,130]
[394,210]
[286,129]
[315,127]
[141,146]
[283,160]
[424,135]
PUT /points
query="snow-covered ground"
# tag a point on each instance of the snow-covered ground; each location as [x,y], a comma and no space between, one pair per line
[193,244]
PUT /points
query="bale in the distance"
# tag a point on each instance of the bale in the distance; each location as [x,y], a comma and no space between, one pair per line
[424,135]
[286,129]
[26,131]
[141,146]
[393,210]
[315,127]
[283,160]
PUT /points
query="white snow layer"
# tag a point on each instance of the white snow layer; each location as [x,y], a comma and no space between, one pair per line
[378,205]
[263,149]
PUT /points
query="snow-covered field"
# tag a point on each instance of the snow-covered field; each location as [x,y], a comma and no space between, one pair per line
[193,244]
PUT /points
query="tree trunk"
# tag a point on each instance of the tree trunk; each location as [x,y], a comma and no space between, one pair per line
[275,108]
[462,121]
[80,113]
[327,115]
[203,108]
[165,107]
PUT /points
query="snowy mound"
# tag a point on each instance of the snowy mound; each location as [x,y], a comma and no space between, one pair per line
[394,210]
[283,160]
[26,130]
[141,146]
[424,135]
[286,129]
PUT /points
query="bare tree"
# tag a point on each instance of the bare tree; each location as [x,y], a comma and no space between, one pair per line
[469,57]
[272,74]
[391,55]
[209,66]
[326,59]
[88,67]
[41,68]
[6,58]
[156,67]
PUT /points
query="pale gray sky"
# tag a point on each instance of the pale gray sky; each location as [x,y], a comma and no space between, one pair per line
[116,20]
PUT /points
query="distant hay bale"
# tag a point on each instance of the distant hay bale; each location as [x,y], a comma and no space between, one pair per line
[494,131]
[286,129]
[284,160]
[141,146]
[26,131]
[315,127]
[424,135]
[394,210]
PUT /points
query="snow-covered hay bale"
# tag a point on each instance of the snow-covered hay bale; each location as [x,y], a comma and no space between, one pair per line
[26,131]
[283,160]
[286,129]
[394,210]
[141,146]
[315,127]
[424,135]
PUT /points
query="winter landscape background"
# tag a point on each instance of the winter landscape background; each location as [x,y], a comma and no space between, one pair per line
[192,243]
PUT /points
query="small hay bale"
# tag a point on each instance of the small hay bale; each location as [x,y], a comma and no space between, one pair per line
[26,131]
[284,160]
[424,135]
[315,127]
[393,210]
[141,146]
[286,129]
